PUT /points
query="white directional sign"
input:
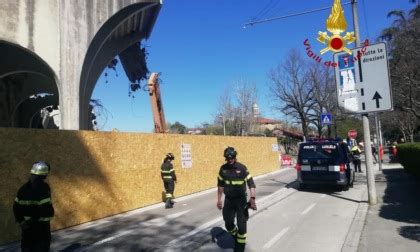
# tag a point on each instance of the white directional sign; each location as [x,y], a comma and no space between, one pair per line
[362,79]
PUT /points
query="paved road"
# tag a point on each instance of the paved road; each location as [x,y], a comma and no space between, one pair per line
[318,219]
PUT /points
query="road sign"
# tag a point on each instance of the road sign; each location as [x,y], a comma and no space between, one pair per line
[352,134]
[363,84]
[326,119]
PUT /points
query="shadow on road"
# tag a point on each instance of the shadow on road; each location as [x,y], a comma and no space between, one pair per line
[333,191]
[71,247]
[401,201]
[410,232]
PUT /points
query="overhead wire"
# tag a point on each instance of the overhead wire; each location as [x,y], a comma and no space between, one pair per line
[272,9]
[287,16]
[264,10]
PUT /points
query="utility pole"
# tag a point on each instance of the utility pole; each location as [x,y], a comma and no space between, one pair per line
[379,139]
[366,130]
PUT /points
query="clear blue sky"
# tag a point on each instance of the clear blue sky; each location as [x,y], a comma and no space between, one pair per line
[201,48]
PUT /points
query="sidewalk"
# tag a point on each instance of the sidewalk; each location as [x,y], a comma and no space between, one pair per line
[394,223]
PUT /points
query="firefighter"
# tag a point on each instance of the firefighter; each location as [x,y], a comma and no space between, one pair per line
[357,162]
[232,180]
[169,179]
[33,210]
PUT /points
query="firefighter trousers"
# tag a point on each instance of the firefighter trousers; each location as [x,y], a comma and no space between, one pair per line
[169,185]
[236,207]
[36,237]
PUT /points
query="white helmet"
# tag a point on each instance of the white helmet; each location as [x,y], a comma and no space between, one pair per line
[40,168]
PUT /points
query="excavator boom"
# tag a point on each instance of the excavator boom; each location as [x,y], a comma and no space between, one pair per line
[156,102]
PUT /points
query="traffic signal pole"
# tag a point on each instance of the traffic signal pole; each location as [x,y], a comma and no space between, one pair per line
[366,129]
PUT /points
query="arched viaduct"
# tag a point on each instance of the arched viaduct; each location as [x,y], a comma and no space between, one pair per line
[61,47]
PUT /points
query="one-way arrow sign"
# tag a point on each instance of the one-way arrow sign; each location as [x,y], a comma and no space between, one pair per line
[376,97]
[362,78]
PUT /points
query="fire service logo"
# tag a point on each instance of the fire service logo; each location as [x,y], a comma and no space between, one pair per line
[336,24]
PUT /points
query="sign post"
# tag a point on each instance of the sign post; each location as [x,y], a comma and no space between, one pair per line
[363,87]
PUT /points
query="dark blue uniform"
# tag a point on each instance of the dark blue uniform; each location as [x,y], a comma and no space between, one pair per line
[33,210]
[168,176]
[234,178]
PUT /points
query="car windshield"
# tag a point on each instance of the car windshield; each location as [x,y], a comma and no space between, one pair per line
[319,151]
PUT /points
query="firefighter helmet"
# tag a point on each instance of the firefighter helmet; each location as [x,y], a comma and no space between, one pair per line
[230,153]
[40,168]
[170,156]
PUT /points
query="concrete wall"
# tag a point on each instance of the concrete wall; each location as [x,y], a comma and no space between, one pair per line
[98,174]
[60,33]
[33,24]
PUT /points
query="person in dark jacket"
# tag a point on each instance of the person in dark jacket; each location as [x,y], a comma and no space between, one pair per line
[232,181]
[33,210]
[169,179]
[357,162]
[374,152]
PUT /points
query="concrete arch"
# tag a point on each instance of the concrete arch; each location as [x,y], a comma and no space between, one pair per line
[125,28]
[22,73]
[12,55]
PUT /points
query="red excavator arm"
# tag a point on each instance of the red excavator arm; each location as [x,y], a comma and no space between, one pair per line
[156,102]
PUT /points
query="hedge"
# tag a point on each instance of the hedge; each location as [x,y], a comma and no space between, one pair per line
[409,157]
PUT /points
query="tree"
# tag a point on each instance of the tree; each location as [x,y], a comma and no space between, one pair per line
[403,39]
[246,96]
[212,129]
[292,90]
[235,108]
[177,128]
[325,98]
[400,124]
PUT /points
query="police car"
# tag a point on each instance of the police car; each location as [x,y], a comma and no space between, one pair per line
[324,162]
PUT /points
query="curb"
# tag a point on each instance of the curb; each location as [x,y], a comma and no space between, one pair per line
[351,243]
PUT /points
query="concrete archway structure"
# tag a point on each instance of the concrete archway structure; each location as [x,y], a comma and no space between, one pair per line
[76,40]
[22,75]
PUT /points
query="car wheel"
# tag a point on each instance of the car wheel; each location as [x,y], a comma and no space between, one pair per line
[345,187]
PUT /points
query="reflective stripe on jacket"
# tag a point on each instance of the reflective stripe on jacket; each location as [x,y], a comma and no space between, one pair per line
[234,178]
[167,171]
[33,202]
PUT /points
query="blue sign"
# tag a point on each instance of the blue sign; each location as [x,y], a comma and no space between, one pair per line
[326,119]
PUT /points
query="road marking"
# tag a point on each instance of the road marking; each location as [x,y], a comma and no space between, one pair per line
[275,238]
[206,225]
[96,223]
[111,238]
[178,242]
[308,209]
[154,222]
